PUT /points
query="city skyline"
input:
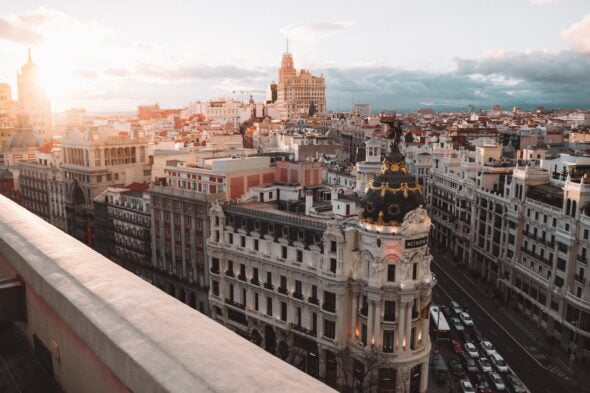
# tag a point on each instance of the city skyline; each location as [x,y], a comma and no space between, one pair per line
[446,57]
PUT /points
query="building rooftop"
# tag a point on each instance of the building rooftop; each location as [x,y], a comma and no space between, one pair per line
[105,322]
[546,193]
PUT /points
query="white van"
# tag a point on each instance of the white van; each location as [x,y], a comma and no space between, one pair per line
[498,362]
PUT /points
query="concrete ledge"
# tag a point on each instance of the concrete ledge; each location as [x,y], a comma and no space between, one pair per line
[148,340]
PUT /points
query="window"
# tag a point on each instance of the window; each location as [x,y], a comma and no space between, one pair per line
[586,234]
[242,271]
[256,244]
[314,322]
[364,334]
[329,329]
[243,241]
[314,292]
[299,255]
[284,252]
[215,265]
[269,306]
[329,301]
[414,271]
[255,274]
[388,341]
[389,311]
[332,246]
[231,238]
[256,301]
[269,279]
[283,311]
[391,273]
[283,282]
[561,264]
[298,286]
[299,316]
[230,266]
[558,281]
[231,292]
[333,265]
[215,288]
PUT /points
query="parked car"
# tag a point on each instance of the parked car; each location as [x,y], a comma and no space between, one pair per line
[497,381]
[485,365]
[457,347]
[471,350]
[487,347]
[498,362]
[457,325]
[469,362]
[456,307]
[456,367]
[440,370]
[466,386]
[477,334]
[481,384]
[446,311]
[515,385]
[466,319]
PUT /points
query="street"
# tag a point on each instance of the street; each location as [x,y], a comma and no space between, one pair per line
[539,372]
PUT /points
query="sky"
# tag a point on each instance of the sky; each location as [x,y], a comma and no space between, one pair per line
[112,56]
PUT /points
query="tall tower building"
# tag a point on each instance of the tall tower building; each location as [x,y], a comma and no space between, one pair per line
[7,107]
[32,98]
[297,91]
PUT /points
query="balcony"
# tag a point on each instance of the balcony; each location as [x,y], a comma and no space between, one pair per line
[582,259]
[235,304]
[284,291]
[140,326]
[215,270]
[313,300]
[298,295]
[242,277]
[268,286]
[303,330]
[255,281]
[580,279]
[229,273]
[329,307]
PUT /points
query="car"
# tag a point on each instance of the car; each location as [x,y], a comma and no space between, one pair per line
[498,362]
[439,368]
[456,367]
[457,348]
[457,325]
[487,347]
[446,311]
[497,381]
[466,319]
[485,365]
[471,350]
[466,386]
[470,364]
[481,384]
[477,334]
[456,307]
[515,385]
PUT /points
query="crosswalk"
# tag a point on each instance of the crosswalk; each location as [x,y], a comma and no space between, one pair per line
[557,370]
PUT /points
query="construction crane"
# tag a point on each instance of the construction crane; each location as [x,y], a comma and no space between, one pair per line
[242,92]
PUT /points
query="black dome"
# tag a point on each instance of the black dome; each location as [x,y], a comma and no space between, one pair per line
[392,194]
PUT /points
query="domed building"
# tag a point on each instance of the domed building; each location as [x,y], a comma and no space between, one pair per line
[395,283]
[23,143]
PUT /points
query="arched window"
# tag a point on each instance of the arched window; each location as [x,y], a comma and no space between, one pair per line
[573,208]
[568,207]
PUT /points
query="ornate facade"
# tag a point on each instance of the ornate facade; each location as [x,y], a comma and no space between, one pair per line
[345,300]
[299,93]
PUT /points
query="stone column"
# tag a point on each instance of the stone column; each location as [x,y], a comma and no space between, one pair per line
[370,323]
[354,316]
[400,328]
[408,323]
[378,319]
[424,377]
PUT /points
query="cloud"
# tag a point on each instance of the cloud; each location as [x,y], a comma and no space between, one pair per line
[578,34]
[560,79]
[86,74]
[543,2]
[16,30]
[313,31]
[189,71]
[145,46]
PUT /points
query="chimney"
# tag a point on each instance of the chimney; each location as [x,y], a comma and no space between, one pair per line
[308,201]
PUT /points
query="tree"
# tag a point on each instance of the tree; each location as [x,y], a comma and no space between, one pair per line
[358,368]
